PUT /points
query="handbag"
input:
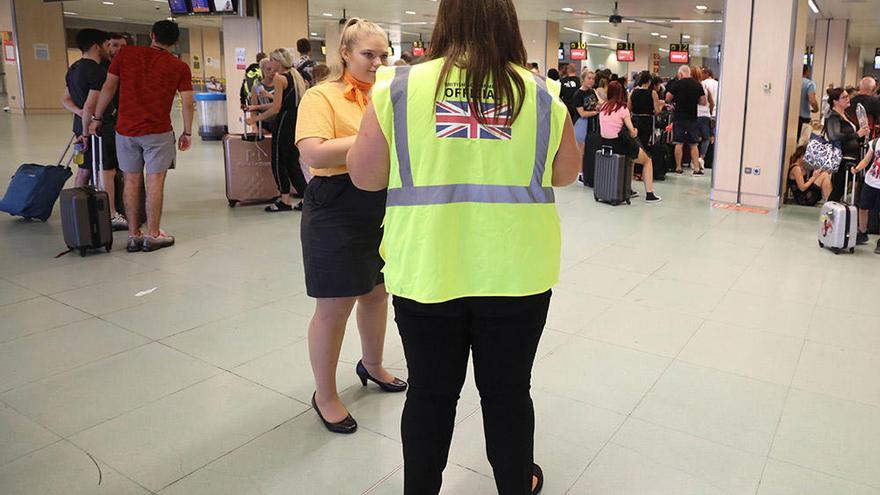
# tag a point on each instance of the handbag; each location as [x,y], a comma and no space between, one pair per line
[823,154]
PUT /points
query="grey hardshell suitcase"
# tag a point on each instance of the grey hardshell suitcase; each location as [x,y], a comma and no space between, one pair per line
[85,211]
[613,181]
[839,224]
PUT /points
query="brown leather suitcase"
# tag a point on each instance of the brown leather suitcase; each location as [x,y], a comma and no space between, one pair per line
[249,178]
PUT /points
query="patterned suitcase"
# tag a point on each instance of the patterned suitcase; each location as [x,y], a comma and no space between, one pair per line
[613,182]
[249,178]
[839,225]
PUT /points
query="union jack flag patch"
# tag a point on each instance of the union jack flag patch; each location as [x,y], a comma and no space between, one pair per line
[455,120]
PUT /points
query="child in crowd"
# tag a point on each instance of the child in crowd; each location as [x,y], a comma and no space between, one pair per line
[870,196]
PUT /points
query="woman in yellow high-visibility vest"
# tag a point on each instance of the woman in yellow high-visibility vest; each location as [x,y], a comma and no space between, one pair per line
[470,145]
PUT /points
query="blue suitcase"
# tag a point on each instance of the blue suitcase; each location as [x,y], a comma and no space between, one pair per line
[35,188]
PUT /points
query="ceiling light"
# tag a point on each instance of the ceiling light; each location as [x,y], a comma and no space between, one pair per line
[108,3]
[313,34]
[612,39]
[696,21]
[663,36]
[655,34]
[567,9]
[685,36]
[702,7]
[663,49]
[410,12]
[70,13]
[327,14]
[813,6]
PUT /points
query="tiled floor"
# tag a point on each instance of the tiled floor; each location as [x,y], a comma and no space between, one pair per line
[689,350]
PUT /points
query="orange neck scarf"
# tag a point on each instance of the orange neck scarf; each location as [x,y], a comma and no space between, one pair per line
[356,91]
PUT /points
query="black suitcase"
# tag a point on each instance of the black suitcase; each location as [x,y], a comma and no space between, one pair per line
[710,156]
[588,166]
[661,157]
[874,221]
[85,211]
[613,177]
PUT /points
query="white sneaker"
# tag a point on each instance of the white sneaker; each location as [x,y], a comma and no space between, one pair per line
[118,222]
[702,164]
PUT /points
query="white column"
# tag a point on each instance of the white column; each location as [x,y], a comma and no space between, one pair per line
[752,115]
[238,33]
[853,66]
[332,32]
[541,39]
[830,50]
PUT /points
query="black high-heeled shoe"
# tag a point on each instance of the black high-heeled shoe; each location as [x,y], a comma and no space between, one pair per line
[537,472]
[397,385]
[346,426]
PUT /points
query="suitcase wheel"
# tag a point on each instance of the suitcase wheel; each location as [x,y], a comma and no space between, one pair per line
[852,250]
[232,203]
[108,247]
[628,202]
[821,245]
[835,250]
[82,252]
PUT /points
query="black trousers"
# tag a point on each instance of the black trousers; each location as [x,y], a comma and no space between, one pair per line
[503,333]
[838,180]
[285,156]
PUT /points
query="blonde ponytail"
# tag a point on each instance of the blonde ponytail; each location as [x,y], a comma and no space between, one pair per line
[355,30]
[285,58]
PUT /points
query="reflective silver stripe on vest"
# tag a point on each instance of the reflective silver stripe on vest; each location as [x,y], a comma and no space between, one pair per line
[399,91]
[411,195]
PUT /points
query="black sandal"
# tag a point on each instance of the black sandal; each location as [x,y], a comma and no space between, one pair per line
[298,206]
[278,206]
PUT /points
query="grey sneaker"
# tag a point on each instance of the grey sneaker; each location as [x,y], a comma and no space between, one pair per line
[118,222]
[135,244]
[162,240]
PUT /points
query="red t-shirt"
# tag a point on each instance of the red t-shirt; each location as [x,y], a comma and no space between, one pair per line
[149,78]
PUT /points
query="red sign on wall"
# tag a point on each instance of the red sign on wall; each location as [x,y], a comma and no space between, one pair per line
[626,55]
[679,57]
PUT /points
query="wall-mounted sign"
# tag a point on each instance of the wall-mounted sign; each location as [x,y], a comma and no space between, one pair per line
[578,50]
[8,47]
[418,49]
[41,51]
[561,51]
[626,52]
[240,59]
[877,59]
[679,53]
[197,62]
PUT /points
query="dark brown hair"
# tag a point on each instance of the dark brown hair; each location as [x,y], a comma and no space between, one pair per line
[834,94]
[799,153]
[481,37]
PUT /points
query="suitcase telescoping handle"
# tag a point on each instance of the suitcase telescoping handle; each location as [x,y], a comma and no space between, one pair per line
[64,153]
[259,135]
[606,150]
[97,161]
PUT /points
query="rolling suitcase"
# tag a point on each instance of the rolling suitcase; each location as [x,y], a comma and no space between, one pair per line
[35,188]
[839,224]
[248,162]
[588,166]
[85,211]
[613,177]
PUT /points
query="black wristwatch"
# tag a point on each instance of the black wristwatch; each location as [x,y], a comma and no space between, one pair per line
[95,117]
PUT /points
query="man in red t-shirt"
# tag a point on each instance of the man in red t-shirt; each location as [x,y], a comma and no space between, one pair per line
[148,78]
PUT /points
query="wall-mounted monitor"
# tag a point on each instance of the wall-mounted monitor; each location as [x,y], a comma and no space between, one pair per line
[876,62]
[225,6]
[201,6]
[179,7]
[679,57]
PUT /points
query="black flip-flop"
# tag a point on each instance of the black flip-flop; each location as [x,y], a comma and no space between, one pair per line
[277,207]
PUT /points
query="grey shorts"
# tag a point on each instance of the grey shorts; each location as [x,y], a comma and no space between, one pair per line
[157,151]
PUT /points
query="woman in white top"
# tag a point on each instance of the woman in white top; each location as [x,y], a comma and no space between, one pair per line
[704,116]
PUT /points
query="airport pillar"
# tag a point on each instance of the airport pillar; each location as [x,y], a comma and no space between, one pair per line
[282,22]
[241,43]
[36,62]
[332,32]
[830,52]
[542,43]
[753,114]
[853,66]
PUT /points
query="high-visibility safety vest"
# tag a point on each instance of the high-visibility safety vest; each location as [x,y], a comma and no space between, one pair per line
[470,210]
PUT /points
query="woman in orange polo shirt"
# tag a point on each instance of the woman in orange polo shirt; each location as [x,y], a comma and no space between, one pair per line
[341,226]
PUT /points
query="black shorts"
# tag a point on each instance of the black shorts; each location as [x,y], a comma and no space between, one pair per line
[341,229]
[686,132]
[623,145]
[111,162]
[869,198]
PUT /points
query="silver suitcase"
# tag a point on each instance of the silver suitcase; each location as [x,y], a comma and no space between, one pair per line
[613,180]
[839,224]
